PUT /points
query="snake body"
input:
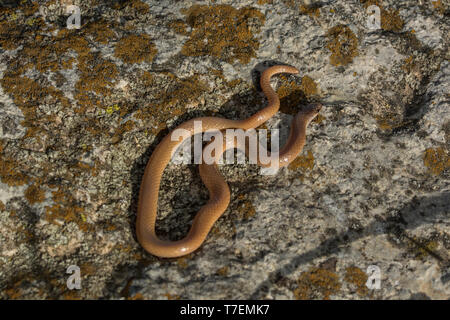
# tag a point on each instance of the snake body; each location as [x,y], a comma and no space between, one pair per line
[211,177]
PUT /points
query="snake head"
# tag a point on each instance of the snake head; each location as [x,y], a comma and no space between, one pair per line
[310,111]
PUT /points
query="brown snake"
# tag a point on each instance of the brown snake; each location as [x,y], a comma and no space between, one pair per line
[209,173]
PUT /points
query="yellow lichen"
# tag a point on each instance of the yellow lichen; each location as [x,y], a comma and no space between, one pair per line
[246,210]
[34,194]
[171,102]
[223,32]
[10,34]
[219,74]
[172,296]
[358,278]
[71,295]
[309,86]
[137,296]
[87,269]
[389,121]
[9,170]
[139,6]
[439,6]
[408,64]
[100,31]
[343,45]
[125,127]
[222,271]
[135,49]
[391,21]
[29,7]
[182,263]
[436,160]
[317,283]
[65,209]
[292,95]
[42,51]
[421,248]
[390,18]
[303,162]
[290,3]
[261,2]
[147,78]
[319,118]
[179,26]
[10,175]
[97,76]
[310,10]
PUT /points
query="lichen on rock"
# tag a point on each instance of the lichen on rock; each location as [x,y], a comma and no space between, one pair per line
[223,32]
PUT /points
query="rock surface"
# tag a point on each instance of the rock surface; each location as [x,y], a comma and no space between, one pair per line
[82,109]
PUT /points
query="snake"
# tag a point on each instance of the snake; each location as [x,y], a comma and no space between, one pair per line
[219,192]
